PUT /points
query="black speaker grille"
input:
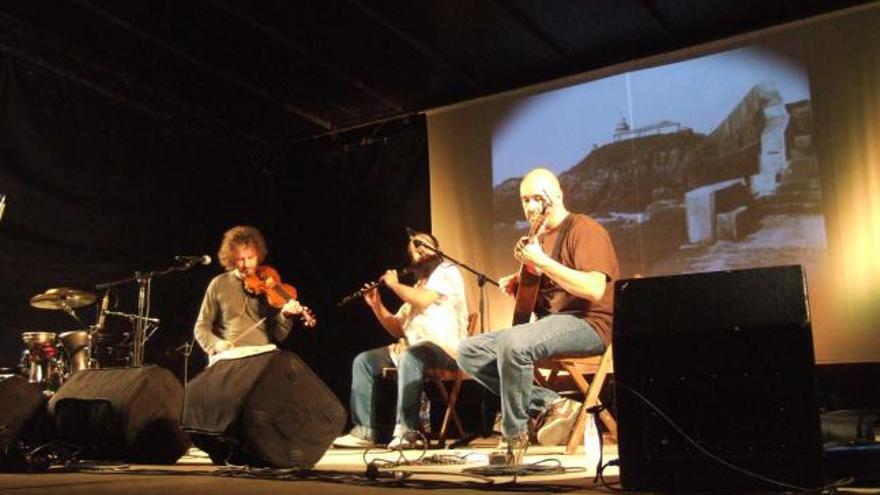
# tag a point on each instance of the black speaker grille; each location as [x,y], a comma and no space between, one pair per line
[729,357]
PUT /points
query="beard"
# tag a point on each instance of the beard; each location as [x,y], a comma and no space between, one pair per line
[426,266]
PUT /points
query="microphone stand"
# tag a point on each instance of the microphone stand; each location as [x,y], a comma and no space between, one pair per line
[481,277]
[144,282]
[184,350]
[487,400]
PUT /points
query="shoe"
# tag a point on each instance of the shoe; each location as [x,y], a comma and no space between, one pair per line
[352,442]
[407,441]
[557,422]
[516,448]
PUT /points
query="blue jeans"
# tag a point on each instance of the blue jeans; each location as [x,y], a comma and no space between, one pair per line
[504,361]
[367,369]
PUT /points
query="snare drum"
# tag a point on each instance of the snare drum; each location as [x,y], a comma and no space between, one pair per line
[41,356]
[77,348]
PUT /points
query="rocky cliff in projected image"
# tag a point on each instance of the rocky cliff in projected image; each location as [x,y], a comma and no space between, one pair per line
[676,201]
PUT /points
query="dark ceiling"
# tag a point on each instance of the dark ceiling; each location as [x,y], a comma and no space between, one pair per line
[275,72]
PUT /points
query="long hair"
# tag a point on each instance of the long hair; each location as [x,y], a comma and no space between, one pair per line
[241,235]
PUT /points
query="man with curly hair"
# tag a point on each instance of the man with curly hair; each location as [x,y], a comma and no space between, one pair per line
[230,316]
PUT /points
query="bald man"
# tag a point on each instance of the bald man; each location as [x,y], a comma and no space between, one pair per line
[578,264]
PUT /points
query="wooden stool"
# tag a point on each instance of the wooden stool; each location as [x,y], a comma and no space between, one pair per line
[579,367]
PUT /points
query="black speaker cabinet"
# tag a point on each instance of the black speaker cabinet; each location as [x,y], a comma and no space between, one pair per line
[264,410]
[728,356]
[122,413]
[21,401]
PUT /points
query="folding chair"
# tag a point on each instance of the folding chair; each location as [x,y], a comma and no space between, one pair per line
[579,367]
[440,376]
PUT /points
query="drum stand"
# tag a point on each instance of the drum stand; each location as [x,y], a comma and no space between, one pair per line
[143,325]
[140,324]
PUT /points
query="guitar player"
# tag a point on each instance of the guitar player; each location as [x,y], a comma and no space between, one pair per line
[576,265]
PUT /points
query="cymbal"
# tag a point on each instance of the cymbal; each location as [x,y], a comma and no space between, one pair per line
[62,298]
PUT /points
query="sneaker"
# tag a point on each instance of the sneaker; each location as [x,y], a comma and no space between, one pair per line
[557,422]
[352,442]
[406,442]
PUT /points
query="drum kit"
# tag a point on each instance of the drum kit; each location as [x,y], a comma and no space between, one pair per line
[50,358]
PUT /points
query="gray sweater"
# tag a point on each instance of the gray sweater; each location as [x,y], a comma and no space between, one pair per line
[229,313]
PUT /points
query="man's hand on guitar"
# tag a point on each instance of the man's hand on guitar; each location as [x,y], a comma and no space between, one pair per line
[518,247]
[530,253]
[509,283]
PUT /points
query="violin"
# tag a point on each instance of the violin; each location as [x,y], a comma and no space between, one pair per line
[266,282]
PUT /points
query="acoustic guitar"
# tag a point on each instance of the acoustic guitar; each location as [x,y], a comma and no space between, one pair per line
[529,278]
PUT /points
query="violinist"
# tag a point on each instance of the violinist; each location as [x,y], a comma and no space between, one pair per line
[429,325]
[231,316]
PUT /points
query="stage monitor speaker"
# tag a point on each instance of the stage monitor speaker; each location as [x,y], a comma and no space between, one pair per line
[21,401]
[728,356]
[122,413]
[264,410]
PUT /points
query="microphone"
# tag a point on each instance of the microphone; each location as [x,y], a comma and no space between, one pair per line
[131,317]
[419,242]
[194,260]
[412,237]
[102,316]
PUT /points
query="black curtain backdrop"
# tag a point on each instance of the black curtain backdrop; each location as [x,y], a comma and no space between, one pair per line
[97,189]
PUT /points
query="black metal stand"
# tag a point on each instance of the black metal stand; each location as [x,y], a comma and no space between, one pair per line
[187,351]
[184,350]
[481,277]
[489,407]
[489,402]
[142,320]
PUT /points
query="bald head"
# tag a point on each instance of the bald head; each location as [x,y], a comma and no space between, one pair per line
[538,186]
[541,180]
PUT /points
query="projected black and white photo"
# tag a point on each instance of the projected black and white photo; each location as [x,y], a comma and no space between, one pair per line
[702,165]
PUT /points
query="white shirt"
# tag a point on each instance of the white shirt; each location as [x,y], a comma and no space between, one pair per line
[445,321]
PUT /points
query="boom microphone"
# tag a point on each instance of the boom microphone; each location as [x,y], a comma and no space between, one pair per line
[195,260]
[102,314]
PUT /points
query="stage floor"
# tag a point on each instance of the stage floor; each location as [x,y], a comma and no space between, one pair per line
[340,471]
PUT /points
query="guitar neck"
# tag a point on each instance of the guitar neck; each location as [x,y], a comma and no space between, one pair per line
[529,283]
